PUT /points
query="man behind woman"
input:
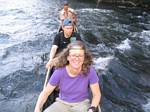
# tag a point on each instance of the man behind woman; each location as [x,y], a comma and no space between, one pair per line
[74,75]
[62,39]
[67,12]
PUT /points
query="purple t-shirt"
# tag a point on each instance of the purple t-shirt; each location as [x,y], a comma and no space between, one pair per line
[73,89]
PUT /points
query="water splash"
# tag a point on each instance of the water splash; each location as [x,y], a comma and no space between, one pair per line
[146,37]
[102,62]
[125,45]
[146,107]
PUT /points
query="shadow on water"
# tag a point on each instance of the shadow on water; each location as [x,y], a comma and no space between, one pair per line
[124,90]
[18,91]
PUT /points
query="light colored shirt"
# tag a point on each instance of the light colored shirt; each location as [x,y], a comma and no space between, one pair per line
[70,14]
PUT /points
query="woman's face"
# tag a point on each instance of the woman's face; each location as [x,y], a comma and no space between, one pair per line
[76,57]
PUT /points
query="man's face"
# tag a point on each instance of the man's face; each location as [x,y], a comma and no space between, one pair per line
[65,7]
[68,30]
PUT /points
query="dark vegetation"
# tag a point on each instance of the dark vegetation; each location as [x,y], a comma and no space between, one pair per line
[131,3]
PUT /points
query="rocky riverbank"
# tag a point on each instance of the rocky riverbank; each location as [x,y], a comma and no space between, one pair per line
[131,3]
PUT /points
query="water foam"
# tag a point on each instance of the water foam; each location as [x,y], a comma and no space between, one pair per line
[102,62]
[146,36]
[124,45]
[146,107]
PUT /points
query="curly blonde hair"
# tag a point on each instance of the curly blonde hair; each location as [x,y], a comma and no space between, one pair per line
[62,57]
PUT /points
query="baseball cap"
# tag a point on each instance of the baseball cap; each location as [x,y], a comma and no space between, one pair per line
[67,22]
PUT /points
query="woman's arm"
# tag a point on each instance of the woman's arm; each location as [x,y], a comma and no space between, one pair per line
[43,97]
[96,94]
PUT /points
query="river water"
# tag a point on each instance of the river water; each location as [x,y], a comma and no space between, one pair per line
[119,38]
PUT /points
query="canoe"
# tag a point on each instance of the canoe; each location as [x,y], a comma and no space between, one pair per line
[54,94]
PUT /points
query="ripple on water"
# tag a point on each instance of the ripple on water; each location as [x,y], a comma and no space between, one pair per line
[147,106]
[4,38]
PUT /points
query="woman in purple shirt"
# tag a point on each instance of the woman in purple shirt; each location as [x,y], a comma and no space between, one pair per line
[75,77]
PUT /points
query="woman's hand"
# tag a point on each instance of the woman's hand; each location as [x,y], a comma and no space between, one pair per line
[90,110]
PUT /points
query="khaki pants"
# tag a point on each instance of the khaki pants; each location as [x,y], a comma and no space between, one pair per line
[62,106]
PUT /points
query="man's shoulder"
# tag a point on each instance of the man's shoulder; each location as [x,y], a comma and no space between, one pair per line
[70,9]
[61,11]
[59,34]
[76,33]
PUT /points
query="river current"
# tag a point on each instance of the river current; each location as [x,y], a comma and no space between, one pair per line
[118,36]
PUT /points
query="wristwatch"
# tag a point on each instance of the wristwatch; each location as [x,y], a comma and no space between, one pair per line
[94,109]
